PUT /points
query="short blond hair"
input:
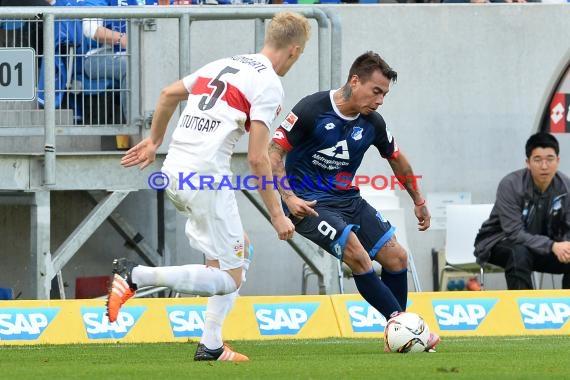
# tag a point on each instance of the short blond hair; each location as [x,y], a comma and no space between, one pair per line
[287,28]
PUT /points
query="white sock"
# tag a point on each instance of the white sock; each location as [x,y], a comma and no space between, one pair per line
[244,268]
[216,311]
[194,279]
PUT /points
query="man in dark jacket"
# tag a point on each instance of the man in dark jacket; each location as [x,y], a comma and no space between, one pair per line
[529,227]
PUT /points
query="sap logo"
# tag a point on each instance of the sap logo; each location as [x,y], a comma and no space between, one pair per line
[97,324]
[25,324]
[283,319]
[544,313]
[461,314]
[364,318]
[186,320]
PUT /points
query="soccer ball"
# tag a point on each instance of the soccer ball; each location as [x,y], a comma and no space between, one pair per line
[406,332]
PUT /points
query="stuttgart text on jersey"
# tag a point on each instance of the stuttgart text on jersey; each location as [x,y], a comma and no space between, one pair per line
[200,124]
[250,61]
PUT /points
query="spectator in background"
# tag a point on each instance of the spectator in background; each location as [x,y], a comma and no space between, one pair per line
[105,53]
[529,226]
[16,33]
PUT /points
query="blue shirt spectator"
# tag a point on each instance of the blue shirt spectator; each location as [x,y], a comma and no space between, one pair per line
[106,44]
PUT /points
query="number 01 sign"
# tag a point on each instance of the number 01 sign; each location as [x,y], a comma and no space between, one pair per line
[17,74]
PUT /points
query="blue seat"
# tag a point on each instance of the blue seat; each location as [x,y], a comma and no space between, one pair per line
[6,294]
[11,24]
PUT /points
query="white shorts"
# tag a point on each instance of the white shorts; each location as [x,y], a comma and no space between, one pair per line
[214,225]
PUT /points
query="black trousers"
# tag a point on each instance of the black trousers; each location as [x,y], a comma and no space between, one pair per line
[519,263]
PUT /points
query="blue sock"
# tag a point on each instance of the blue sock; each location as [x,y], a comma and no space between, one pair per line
[397,282]
[376,293]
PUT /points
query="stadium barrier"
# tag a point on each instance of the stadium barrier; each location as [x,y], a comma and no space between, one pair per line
[489,313]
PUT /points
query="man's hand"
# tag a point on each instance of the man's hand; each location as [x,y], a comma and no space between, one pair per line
[143,153]
[284,227]
[423,215]
[561,250]
[299,207]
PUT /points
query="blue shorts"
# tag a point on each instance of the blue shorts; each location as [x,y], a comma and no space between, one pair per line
[331,228]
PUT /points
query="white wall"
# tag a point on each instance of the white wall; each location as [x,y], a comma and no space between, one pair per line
[471,81]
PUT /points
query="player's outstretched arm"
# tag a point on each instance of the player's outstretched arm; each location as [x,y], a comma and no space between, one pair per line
[404,173]
[298,207]
[258,159]
[144,153]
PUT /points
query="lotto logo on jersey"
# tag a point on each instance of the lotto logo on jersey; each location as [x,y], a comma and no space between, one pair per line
[187,320]
[25,324]
[97,324]
[364,318]
[460,314]
[289,121]
[544,313]
[389,135]
[283,319]
[279,135]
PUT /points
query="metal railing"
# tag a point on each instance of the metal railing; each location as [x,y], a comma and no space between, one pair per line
[329,51]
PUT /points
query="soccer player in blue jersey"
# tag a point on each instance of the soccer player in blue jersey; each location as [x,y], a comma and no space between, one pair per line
[324,139]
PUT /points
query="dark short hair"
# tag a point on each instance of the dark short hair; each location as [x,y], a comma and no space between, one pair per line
[367,63]
[541,140]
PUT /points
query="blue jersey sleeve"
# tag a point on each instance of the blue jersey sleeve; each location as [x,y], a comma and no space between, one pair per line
[384,140]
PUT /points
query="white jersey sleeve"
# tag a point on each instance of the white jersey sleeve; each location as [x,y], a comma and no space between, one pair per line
[189,81]
[267,104]
[224,96]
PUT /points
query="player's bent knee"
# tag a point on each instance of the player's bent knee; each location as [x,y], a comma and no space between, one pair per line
[393,259]
[236,275]
[357,261]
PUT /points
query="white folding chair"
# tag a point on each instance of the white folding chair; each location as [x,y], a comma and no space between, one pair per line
[463,223]
[380,199]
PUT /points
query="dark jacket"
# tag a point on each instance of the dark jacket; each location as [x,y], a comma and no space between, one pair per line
[513,212]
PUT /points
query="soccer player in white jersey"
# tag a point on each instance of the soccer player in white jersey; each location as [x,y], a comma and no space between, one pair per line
[226,98]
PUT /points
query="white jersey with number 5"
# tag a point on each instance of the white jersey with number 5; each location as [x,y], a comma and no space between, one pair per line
[224,96]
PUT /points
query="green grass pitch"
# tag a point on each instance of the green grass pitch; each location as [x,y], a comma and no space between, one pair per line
[486,358]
